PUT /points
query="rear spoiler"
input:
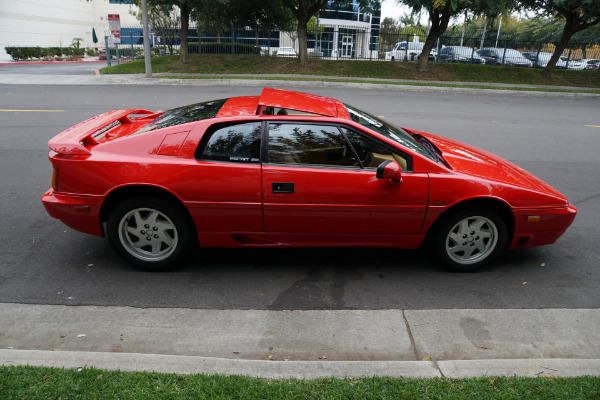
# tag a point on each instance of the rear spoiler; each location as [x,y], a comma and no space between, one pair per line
[74,139]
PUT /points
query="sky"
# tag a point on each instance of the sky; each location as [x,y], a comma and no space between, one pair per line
[389,8]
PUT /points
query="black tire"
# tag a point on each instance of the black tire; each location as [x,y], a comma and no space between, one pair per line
[470,239]
[149,232]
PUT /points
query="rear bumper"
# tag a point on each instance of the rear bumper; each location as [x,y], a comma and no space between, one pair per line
[79,212]
[553,222]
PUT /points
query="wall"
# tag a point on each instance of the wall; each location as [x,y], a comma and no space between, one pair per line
[57,22]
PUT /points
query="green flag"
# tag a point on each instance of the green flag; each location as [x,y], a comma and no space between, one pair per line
[94,37]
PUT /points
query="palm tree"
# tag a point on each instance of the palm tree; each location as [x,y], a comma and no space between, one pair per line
[76,41]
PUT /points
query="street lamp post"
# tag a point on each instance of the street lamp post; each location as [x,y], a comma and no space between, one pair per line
[147,61]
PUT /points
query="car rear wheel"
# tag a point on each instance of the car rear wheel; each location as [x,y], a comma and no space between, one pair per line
[469,239]
[150,233]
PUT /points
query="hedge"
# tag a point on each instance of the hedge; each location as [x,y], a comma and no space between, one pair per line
[27,53]
[222,48]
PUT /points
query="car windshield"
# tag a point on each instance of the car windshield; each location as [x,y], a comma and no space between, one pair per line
[182,115]
[510,53]
[390,131]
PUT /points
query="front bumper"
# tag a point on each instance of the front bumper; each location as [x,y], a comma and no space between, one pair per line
[553,222]
[79,212]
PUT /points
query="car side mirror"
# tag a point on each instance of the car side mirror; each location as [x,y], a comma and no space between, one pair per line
[391,171]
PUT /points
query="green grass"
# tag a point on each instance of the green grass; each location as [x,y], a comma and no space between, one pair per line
[89,383]
[266,66]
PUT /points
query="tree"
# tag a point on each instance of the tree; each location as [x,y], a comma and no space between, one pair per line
[304,10]
[578,15]
[268,14]
[76,41]
[440,12]
[185,9]
[407,20]
[161,18]
[220,14]
[389,31]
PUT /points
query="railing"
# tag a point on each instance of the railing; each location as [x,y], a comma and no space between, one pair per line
[357,42]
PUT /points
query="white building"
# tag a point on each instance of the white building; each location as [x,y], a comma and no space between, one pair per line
[55,23]
[348,32]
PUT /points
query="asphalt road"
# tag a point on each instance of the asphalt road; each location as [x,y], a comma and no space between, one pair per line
[44,262]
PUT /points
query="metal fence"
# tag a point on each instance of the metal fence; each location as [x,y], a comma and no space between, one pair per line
[359,42]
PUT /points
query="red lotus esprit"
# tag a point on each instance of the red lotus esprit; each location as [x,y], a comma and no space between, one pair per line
[290,169]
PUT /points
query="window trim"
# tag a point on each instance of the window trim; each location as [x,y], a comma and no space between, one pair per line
[207,135]
[265,149]
[265,145]
[406,156]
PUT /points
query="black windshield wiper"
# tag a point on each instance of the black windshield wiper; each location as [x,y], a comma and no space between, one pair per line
[432,149]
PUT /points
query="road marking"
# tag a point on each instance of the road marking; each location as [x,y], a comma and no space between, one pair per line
[9,110]
[593,126]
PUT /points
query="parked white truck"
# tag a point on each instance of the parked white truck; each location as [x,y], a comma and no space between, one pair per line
[408,51]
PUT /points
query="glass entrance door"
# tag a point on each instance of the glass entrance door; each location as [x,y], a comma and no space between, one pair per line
[347,46]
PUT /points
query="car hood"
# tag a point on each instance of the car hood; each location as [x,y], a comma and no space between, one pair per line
[476,162]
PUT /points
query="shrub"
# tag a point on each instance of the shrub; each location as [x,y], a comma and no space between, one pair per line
[55,51]
[23,53]
[27,53]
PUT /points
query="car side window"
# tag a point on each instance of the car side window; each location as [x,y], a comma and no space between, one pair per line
[309,144]
[231,143]
[372,153]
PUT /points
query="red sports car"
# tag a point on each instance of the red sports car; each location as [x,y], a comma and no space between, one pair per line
[290,169]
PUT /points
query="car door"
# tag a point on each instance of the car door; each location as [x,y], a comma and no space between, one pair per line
[222,190]
[315,181]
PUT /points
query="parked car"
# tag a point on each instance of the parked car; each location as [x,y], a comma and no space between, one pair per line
[541,59]
[460,54]
[286,52]
[237,173]
[408,51]
[502,56]
[585,64]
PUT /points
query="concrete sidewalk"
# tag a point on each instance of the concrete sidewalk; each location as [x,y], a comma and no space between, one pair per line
[305,344]
[298,81]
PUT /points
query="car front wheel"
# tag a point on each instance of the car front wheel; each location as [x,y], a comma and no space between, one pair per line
[148,232]
[470,239]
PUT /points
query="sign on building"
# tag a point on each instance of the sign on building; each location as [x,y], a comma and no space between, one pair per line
[114,25]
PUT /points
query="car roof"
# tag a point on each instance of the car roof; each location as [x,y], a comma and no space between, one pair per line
[287,99]
[499,48]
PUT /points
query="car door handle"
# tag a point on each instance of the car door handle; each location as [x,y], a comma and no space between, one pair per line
[283,187]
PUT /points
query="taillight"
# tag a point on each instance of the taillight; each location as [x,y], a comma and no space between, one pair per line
[55,179]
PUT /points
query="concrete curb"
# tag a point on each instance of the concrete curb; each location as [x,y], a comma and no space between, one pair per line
[121,79]
[98,79]
[301,369]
